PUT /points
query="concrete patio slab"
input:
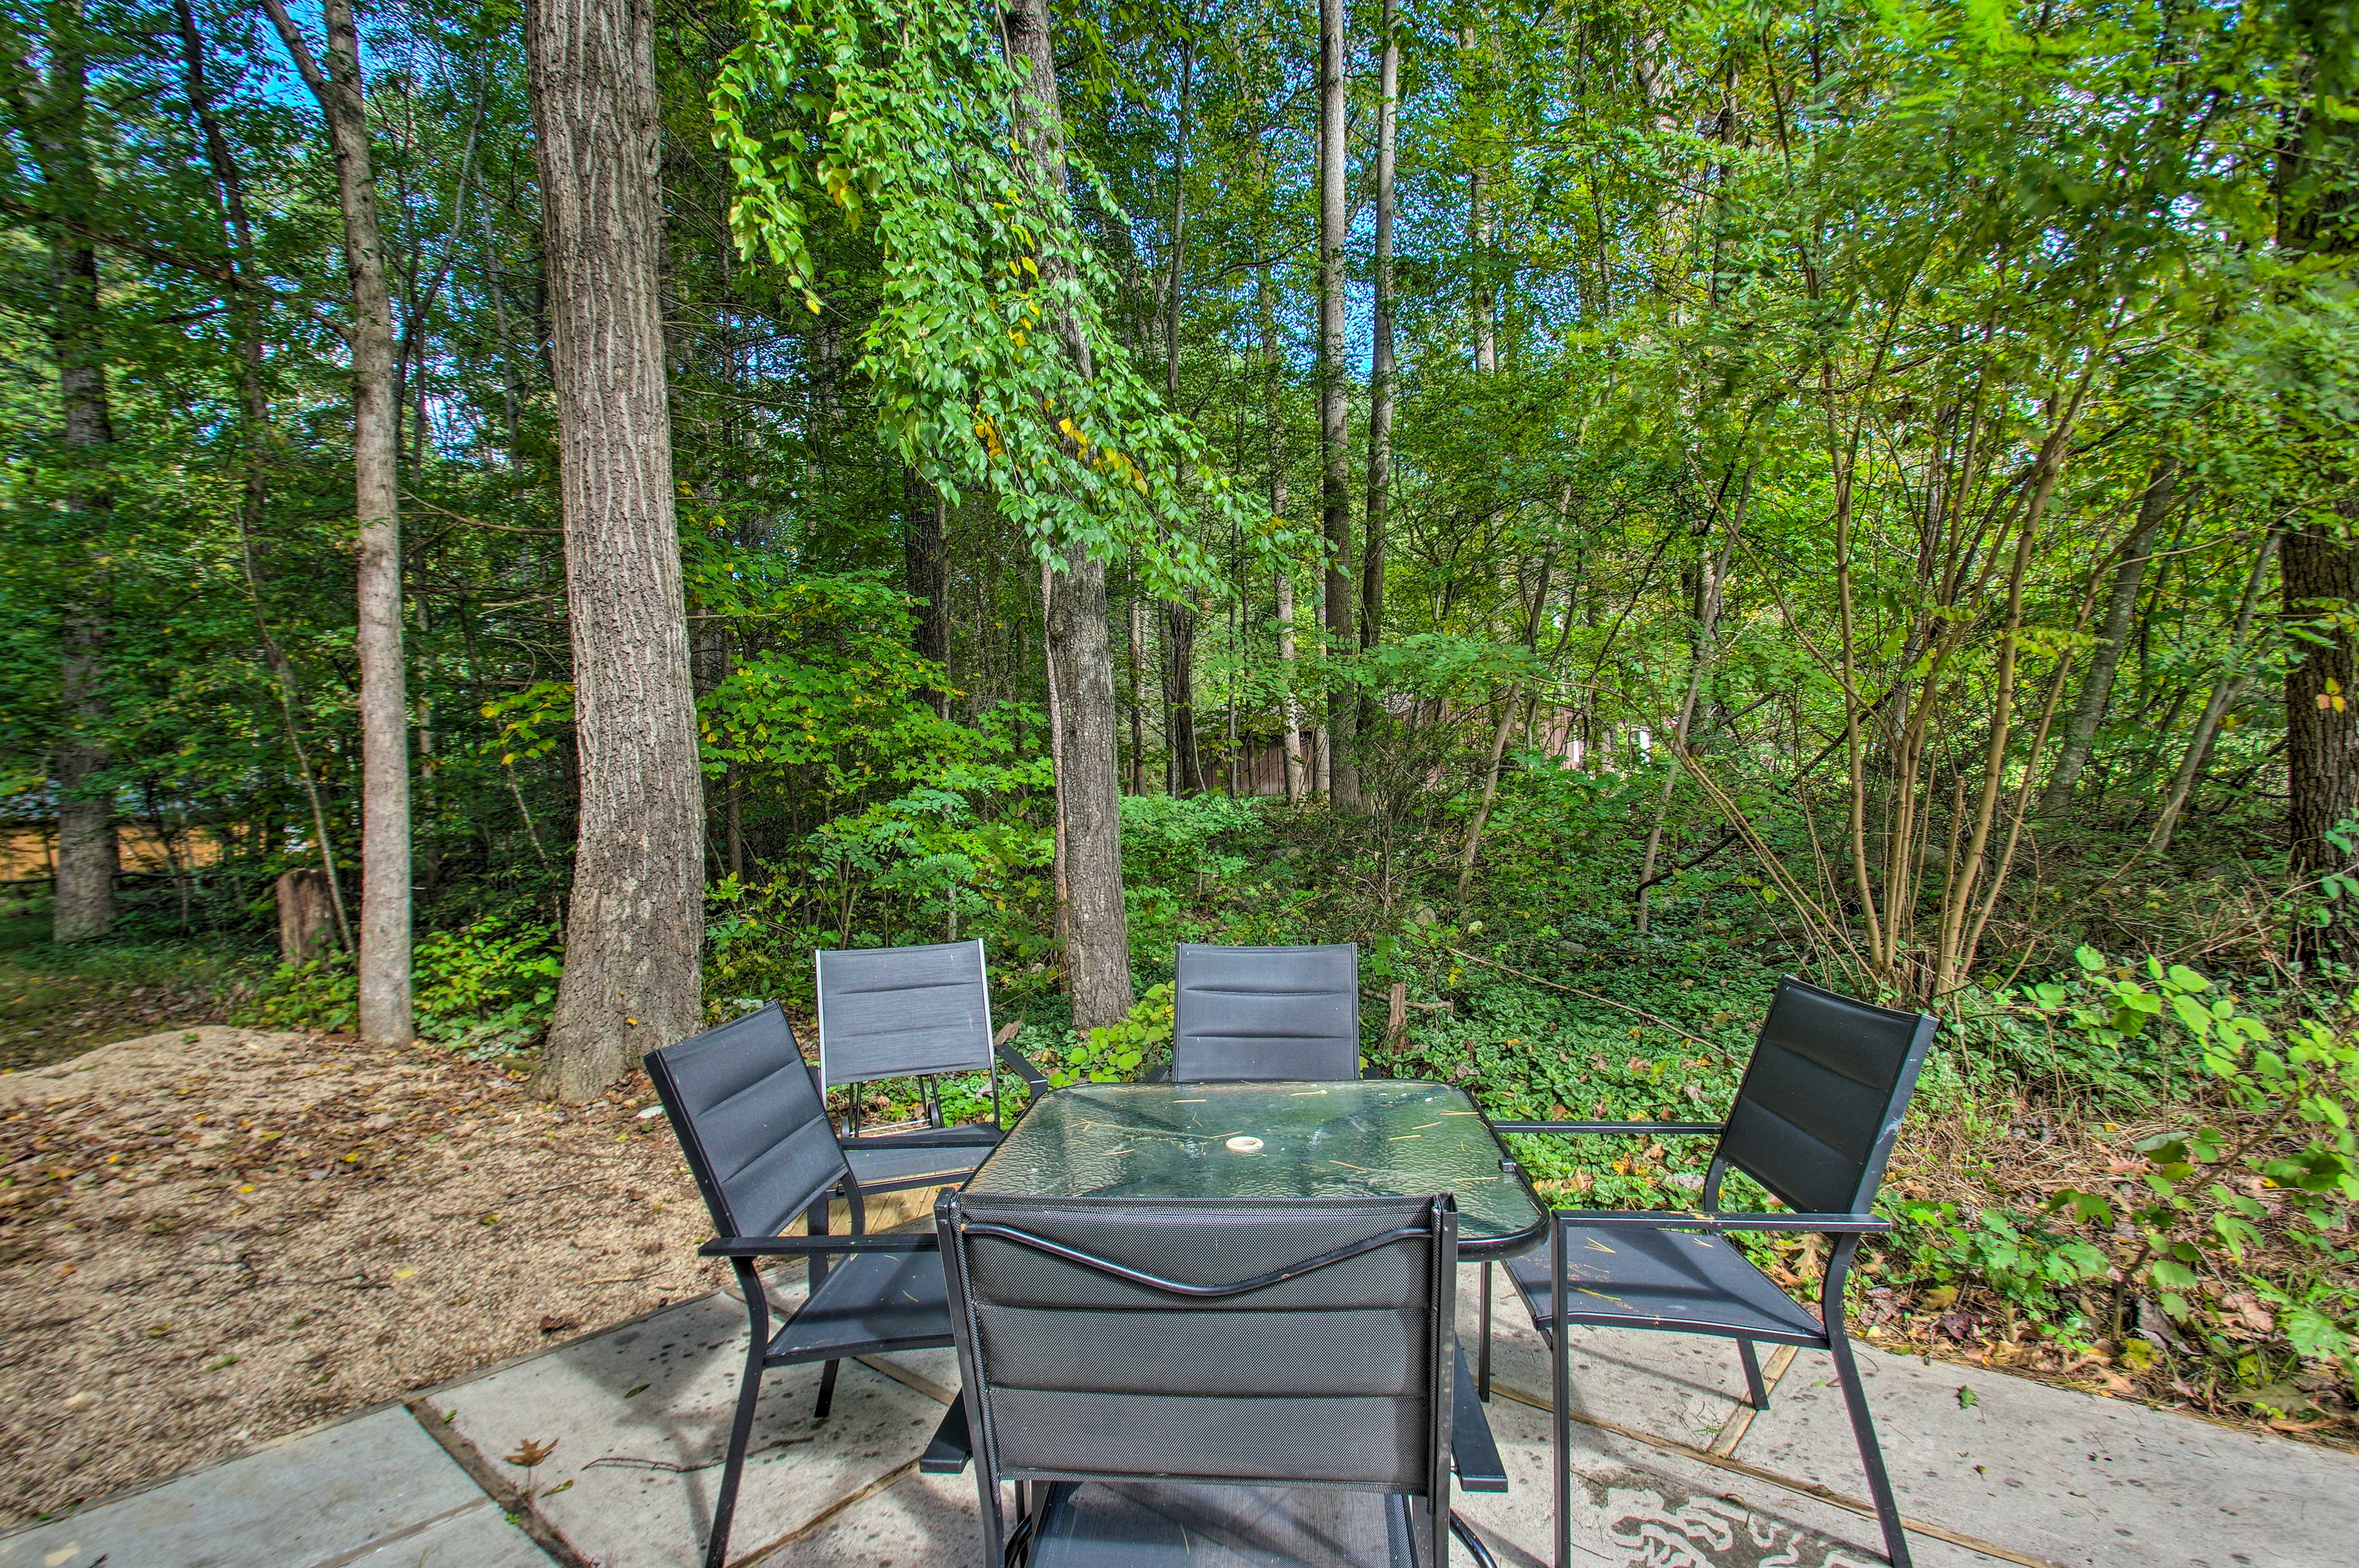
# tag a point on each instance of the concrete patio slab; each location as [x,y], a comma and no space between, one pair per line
[374,1489]
[2065,1475]
[639,1418]
[1633,1506]
[1675,1385]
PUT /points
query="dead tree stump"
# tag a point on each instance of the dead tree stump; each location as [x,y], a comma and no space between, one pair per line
[307,917]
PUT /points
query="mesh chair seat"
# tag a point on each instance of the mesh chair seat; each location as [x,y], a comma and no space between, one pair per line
[869,1303]
[1630,1277]
[1164,1525]
[884,1169]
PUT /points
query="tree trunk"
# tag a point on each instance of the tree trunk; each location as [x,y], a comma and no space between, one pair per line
[1187,761]
[1274,397]
[1097,957]
[2321,699]
[2097,687]
[84,878]
[1334,412]
[2316,199]
[384,1013]
[1137,694]
[1380,371]
[631,980]
[927,566]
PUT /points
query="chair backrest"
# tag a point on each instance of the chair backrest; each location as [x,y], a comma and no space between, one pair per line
[1106,1338]
[1821,1101]
[1266,1013]
[751,1122]
[900,1012]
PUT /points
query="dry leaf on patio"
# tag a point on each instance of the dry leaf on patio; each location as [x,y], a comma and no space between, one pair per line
[552,1324]
[531,1452]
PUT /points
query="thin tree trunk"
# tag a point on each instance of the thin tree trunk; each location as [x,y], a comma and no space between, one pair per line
[1138,619]
[1088,786]
[1335,411]
[1187,761]
[1380,371]
[631,980]
[1059,877]
[385,1011]
[2225,694]
[2097,685]
[1273,398]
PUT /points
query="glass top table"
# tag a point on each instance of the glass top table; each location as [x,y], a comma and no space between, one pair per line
[1381,1137]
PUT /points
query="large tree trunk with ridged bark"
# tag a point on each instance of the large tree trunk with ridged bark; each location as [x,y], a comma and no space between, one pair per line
[385,1011]
[635,933]
[2318,566]
[1081,657]
[58,132]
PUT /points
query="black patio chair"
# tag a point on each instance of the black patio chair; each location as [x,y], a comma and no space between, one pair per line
[911,1012]
[755,1130]
[1248,1014]
[1208,1381]
[1813,1122]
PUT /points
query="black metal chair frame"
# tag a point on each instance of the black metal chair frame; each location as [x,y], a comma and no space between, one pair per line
[930,1131]
[1844,1229]
[764,1348]
[1450,1415]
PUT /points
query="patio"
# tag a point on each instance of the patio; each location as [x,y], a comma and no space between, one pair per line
[630,1422]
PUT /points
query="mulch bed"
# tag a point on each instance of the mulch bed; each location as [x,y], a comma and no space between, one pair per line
[214,1237]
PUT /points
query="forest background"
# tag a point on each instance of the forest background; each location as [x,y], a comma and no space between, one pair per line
[1599,504]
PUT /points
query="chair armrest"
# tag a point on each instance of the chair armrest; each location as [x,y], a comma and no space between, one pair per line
[936,1138]
[1474,1452]
[952,1445]
[805,1246]
[1680,1129]
[1004,1046]
[1696,1219]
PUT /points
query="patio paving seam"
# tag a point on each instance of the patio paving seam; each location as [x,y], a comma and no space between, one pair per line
[496,1488]
[407,1533]
[1793,1484]
[886,1482]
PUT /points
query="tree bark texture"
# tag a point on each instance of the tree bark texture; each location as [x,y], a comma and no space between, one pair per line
[635,930]
[2321,699]
[1274,399]
[1137,695]
[1380,370]
[2318,213]
[2097,685]
[1097,952]
[83,907]
[1335,412]
[1180,667]
[385,1011]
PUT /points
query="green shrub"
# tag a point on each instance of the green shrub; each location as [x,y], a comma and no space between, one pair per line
[485,989]
[1121,1052]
